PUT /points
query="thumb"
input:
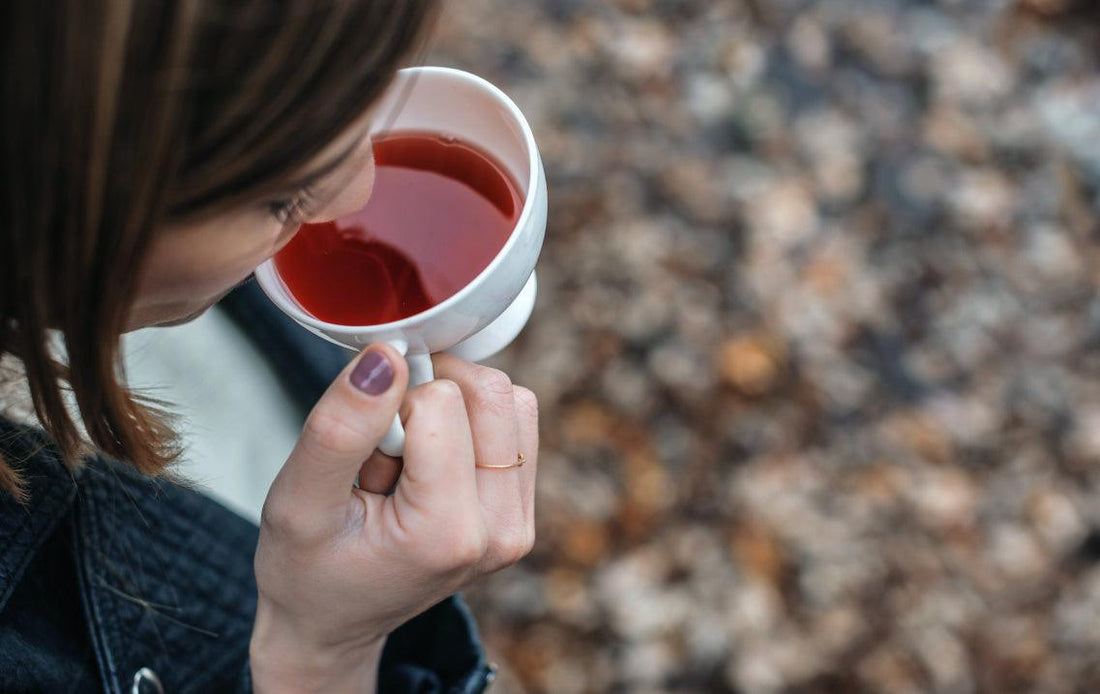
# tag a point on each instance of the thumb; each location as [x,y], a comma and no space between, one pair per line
[344,428]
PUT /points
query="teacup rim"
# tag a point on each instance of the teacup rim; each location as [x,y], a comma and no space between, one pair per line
[288,304]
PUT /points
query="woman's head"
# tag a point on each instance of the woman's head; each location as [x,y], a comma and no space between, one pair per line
[155,152]
[200,258]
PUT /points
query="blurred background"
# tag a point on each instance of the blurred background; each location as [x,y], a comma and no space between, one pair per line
[816,344]
[816,347]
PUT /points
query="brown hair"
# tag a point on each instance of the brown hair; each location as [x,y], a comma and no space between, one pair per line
[118,117]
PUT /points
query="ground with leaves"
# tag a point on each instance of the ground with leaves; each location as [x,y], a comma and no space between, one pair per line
[816,344]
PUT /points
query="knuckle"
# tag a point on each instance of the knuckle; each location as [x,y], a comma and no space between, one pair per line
[275,516]
[527,403]
[456,546]
[466,545]
[513,545]
[329,434]
[530,541]
[471,547]
[280,519]
[492,390]
[443,391]
[493,382]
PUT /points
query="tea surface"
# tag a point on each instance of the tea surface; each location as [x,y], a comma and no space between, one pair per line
[440,212]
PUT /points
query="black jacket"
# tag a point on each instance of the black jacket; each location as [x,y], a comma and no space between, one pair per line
[111,581]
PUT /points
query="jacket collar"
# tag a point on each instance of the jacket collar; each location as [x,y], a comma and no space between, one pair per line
[166,579]
[51,491]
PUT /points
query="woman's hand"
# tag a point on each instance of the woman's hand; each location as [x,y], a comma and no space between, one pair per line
[338,568]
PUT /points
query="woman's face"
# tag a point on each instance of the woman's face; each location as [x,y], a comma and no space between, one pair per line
[191,266]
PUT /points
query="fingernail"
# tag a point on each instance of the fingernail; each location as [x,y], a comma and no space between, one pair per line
[373,374]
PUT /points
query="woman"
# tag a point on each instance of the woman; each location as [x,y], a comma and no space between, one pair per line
[154,153]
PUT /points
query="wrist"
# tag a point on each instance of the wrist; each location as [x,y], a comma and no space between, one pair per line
[282,663]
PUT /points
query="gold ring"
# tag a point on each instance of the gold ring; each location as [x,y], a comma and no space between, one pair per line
[520,460]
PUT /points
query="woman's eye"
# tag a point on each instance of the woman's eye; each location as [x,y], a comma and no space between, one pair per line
[294,210]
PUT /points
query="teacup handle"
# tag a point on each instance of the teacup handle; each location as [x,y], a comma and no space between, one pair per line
[420,372]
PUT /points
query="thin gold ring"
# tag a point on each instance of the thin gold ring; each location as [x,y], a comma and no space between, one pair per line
[520,460]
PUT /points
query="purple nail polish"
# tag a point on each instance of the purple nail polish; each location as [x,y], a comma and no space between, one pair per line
[373,374]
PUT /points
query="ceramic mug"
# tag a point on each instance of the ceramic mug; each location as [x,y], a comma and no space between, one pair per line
[486,315]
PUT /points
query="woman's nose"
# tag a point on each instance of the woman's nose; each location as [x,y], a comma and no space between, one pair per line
[353,194]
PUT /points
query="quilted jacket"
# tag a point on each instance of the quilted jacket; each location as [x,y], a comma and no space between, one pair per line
[111,581]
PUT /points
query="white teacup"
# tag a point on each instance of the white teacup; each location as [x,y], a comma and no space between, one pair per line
[486,315]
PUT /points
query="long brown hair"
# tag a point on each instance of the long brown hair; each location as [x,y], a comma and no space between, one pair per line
[118,117]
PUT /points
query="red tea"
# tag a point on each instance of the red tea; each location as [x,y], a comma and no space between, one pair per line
[440,212]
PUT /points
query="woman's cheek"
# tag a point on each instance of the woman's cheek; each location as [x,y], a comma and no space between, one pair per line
[207,258]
